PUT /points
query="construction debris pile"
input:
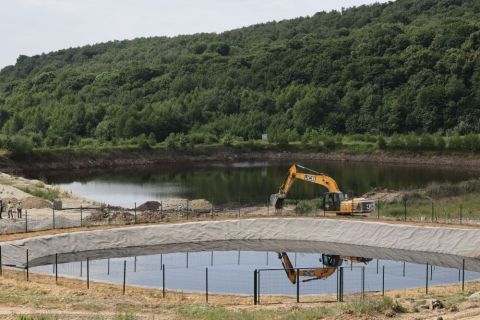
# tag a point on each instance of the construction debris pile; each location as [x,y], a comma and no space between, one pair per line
[152,211]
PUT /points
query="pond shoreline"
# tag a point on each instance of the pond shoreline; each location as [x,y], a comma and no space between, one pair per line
[68,160]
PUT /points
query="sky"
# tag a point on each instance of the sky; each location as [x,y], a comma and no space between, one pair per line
[32,27]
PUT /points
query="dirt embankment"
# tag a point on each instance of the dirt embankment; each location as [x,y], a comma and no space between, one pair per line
[135,157]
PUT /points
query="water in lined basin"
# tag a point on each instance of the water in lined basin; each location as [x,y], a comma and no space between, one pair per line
[233,272]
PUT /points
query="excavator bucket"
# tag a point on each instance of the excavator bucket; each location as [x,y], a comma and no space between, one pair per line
[276,200]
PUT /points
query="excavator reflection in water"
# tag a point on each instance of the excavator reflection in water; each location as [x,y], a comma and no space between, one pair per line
[330,264]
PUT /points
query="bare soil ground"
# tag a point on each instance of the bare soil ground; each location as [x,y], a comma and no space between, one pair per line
[70,299]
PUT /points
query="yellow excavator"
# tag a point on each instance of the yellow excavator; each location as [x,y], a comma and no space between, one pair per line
[334,201]
[330,265]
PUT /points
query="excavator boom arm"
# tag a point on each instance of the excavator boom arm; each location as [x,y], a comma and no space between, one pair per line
[293,174]
[320,179]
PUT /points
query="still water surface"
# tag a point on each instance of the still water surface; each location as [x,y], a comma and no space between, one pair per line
[232,272]
[247,182]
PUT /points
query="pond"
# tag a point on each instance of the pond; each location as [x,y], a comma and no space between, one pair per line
[245,182]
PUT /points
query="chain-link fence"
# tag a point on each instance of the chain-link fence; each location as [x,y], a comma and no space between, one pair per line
[211,276]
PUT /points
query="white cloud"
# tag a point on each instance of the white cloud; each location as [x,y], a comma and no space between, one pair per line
[67,6]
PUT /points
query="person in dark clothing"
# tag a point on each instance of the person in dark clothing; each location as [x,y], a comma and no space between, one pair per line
[10,210]
[19,210]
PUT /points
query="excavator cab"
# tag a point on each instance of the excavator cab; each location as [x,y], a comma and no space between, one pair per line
[332,201]
[331,260]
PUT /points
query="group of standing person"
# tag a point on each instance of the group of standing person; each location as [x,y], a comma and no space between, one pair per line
[10,208]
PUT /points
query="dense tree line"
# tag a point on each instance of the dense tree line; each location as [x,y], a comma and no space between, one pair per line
[406,66]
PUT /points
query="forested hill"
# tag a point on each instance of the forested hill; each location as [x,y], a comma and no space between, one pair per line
[409,65]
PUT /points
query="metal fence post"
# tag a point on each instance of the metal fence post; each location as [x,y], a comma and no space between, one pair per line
[135,212]
[383,281]
[463,275]
[81,215]
[56,268]
[255,287]
[124,275]
[377,266]
[187,260]
[53,216]
[461,214]
[403,274]
[206,285]
[163,280]
[26,221]
[258,287]
[378,209]
[298,285]
[433,211]
[268,206]
[28,278]
[341,284]
[108,266]
[405,209]
[363,282]
[1,270]
[338,285]
[88,273]
[426,281]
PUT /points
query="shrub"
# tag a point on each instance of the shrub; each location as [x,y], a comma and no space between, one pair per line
[439,143]
[227,140]
[142,141]
[19,146]
[396,142]
[330,143]
[427,142]
[471,142]
[177,141]
[456,143]
[152,140]
[411,142]
[381,143]
[363,138]
[304,207]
